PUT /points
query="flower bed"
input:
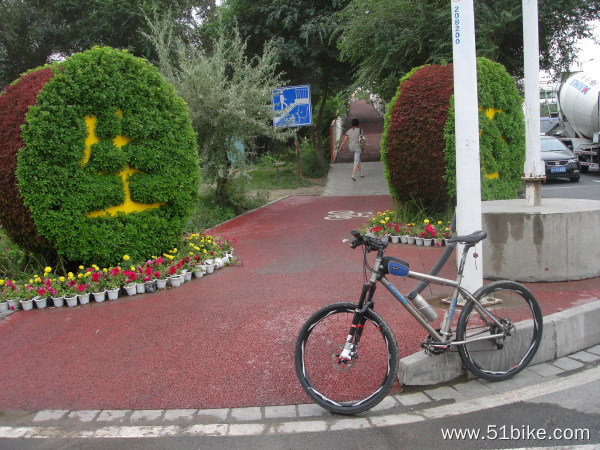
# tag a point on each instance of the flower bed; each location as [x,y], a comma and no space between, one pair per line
[387,223]
[199,253]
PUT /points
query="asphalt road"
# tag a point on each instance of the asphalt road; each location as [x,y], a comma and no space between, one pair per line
[588,187]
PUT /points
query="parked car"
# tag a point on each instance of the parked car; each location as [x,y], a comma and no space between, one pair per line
[559,160]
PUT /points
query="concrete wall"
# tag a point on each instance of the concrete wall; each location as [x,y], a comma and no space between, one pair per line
[557,241]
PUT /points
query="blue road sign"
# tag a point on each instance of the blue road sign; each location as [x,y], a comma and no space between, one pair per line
[291,106]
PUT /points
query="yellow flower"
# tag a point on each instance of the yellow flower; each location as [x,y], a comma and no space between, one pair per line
[204,251]
[1,282]
[81,267]
[87,274]
[38,280]
[439,222]
[387,219]
[132,268]
[79,275]
[48,270]
[70,274]
[382,221]
[62,279]
[126,258]
[426,221]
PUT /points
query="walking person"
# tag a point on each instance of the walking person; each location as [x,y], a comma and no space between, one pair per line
[355,137]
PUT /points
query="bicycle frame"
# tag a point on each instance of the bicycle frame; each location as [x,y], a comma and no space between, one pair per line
[444,335]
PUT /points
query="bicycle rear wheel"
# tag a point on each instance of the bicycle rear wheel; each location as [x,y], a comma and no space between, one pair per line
[516,308]
[345,387]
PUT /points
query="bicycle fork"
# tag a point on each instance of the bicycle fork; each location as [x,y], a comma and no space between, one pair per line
[358,323]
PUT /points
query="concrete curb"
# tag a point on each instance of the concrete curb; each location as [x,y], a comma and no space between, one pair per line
[565,332]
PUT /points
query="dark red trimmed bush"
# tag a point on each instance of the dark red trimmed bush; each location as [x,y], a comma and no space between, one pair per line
[15,101]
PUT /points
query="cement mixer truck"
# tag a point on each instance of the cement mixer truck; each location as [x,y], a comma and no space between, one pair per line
[578,124]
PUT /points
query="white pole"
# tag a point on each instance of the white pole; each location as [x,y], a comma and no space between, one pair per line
[468,170]
[534,171]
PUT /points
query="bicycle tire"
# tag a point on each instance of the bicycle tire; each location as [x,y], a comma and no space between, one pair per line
[338,387]
[500,358]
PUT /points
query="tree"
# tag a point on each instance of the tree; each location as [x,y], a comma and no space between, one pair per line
[301,34]
[228,95]
[34,31]
[385,39]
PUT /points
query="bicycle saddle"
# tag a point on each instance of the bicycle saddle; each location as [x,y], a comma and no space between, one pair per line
[472,238]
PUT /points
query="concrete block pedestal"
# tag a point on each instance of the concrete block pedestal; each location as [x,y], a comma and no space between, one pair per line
[556,241]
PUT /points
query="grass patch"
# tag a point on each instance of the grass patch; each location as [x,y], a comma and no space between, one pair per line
[265,178]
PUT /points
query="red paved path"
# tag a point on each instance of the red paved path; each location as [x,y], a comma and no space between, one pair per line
[225,340]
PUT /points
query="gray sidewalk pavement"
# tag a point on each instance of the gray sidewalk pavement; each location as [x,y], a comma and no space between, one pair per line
[340,183]
[414,405]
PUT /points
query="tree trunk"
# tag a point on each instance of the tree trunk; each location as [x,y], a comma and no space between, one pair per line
[220,192]
[315,132]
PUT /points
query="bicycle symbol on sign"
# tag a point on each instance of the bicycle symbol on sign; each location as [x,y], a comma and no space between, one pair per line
[345,215]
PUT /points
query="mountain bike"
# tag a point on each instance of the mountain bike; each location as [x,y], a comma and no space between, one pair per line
[346,355]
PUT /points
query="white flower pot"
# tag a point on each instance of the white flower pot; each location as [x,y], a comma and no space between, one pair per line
[187,277]
[419,241]
[427,242]
[210,268]
[176,280]
[27,305]
[99,296]
[71,301]
[131,289]
[58,302]
[198,273]
[113,294]
[3,307]
[161,283]
[40,302]
[410,239]
[141,288]
[404,239]
[395,239]
[84,299]
[13,304]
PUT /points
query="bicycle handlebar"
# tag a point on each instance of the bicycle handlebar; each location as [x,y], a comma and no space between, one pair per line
[370,242]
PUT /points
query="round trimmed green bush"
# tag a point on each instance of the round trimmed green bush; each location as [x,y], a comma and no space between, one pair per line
[109,164]
[418,144]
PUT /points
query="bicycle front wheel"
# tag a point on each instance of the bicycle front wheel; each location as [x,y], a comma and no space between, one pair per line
[342,386]
[516,308]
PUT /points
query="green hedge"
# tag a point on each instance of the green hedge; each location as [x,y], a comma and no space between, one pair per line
[140,124]
[418,143]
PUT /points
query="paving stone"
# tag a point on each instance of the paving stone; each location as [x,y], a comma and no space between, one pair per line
[213,414]
[545,370]
[567,363]
[585,356]
[412,399]
[312,410]
[443,393]
[595,350]
[242,414]
[84,415]
[50,414]
[146,415]
[387,403]
[179,414]
[472,388]
[276,412]
[113,415]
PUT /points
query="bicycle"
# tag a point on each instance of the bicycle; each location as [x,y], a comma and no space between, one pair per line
[497,334]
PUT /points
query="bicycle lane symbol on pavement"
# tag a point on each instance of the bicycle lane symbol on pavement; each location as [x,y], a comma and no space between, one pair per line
[346,215]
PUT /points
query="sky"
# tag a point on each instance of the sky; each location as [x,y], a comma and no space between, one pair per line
[589,51]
